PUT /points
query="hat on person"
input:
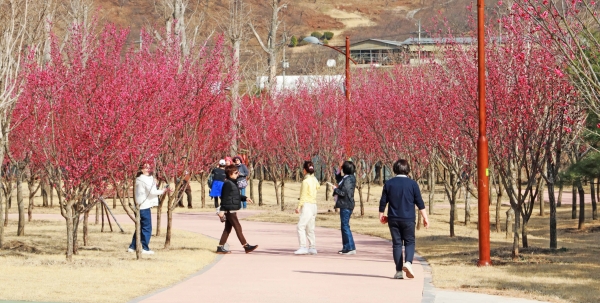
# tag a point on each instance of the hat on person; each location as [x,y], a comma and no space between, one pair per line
[238,158]
[222,162]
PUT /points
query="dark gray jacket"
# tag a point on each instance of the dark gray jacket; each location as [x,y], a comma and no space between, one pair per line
[345,193]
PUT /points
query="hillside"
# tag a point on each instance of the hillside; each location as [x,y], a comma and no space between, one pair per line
[360,19]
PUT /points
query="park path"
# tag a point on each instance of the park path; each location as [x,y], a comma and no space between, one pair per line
[273,273]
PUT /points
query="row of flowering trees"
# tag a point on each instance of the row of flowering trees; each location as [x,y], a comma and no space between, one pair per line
[429,115]
[87,119]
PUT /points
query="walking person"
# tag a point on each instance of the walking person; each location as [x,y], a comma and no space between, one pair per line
[146,197]
[215,181]
[230,203]
[401,194]
[242,180]
[344,193]
[307,208]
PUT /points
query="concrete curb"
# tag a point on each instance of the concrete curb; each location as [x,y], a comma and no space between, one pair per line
[428,288]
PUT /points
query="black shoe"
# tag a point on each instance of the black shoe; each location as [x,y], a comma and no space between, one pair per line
[222,250]
[189,206]
[342,251]
[250,248]
[347,252]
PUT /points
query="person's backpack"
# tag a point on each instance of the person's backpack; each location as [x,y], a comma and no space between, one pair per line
[210,180]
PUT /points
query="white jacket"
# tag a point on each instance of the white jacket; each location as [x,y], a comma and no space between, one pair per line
[146,194]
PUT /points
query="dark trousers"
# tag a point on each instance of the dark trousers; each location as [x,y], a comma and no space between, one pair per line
[188,193]
[146,223]
[403,232]
[216,202]
[231,220]
[347,239]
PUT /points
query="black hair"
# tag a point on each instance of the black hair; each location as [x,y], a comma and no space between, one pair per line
[401,167]
[309,167]
[348,168]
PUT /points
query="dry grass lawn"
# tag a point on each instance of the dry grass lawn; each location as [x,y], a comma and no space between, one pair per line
[34,266]
[570,274]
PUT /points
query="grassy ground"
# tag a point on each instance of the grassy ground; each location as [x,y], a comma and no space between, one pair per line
[569,274]
[34,266]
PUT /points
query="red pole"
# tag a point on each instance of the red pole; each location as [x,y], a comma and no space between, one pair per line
[482,149]
[347,151]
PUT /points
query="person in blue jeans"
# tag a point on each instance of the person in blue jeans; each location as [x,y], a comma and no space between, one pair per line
[344,193]
[146,197]
[401,194]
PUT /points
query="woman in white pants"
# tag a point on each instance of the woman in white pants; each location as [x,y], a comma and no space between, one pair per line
[307,208]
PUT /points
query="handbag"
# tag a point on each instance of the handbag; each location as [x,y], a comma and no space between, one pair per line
[243,183]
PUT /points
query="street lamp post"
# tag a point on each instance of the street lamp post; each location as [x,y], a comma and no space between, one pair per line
[314,40]
[482,148]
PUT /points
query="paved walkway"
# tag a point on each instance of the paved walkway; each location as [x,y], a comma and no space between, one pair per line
[273,273]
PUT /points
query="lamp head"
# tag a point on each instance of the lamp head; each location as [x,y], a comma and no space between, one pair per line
[312,40]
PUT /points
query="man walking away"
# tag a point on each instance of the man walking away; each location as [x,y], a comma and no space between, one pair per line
[402,194]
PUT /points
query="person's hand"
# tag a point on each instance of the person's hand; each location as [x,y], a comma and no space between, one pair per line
[382,218]
[249,201]
[221,217]
[426,222]
[297,210]
[168,190]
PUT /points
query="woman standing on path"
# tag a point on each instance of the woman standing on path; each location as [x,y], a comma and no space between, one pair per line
[345,202]
[230,202]
[146,197]
[307,208]
[242,181]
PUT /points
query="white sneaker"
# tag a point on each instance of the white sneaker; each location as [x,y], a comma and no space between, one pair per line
[129,250]
[312,251]
[407,268]
[147,252]
[350,252]
[301,251]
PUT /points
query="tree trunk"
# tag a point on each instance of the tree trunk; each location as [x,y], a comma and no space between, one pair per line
[574,204]
[102,215]
[44,192]
[467,205]
[553,235]
[560,192]
[169,227]
[515,250]
[260,197]
[282,195]
[203,189]
[381,174]
[1,217]
[97,215]
[593,194]
[30,195]
[510,223]
[75,227]
[251,181]
[431,185]
[419,220]
[69,219]
[524,232]
[452,212]
[541,198]
[161,201]
[21,205]
[6,211]
[361,201]
[86,216]
[277,196]
[138,231]
[498,207]
[114,201]
[581,205]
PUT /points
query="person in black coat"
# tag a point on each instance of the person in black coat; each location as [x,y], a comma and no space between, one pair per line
[344,192]
[231,199]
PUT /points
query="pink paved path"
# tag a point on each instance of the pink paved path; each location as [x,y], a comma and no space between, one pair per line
[273,273]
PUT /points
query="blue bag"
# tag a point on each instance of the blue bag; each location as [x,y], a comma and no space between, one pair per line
[217,187]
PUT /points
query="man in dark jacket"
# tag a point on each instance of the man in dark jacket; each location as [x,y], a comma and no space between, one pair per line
[402,194]
[345,202]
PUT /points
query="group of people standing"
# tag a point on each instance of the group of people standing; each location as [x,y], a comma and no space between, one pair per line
[228,181]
